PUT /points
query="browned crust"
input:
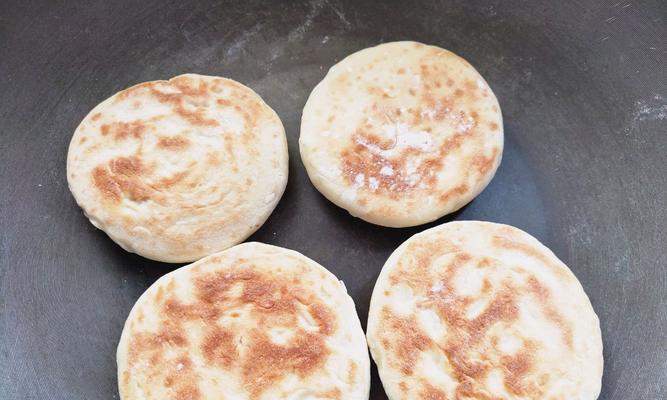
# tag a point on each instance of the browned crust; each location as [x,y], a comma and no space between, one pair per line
[127,176]
[466,343]
[436,105]
[430,392]
[124,130]
[173,143]
[122,177]
[273,301]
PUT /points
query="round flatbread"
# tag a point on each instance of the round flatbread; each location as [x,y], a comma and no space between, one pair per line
[476,310]
[254,322]
[179,169]
[401,134]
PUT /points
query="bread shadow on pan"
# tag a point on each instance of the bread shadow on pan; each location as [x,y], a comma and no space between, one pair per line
[127,263]
[379,238]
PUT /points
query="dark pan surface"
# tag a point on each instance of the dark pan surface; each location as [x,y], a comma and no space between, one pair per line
[582,86]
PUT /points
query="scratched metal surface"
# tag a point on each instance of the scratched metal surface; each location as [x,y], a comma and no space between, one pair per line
[582,86]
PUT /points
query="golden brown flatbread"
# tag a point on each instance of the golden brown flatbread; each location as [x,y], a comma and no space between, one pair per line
[401,134]
[254,322]
[476,310]
[179,169]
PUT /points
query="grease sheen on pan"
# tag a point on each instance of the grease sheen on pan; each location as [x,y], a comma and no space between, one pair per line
[179,169]
[254,322]
[401,134]
[476,310]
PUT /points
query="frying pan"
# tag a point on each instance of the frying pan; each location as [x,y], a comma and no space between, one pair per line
[582,86]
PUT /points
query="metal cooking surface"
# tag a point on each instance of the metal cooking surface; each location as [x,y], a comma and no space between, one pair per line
[581,84]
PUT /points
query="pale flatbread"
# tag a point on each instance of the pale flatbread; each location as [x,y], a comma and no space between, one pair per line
[401,134]
[254,322]
[476,310]
[179,169]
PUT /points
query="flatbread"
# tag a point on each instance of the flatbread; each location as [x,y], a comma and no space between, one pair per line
[179,169]
[401,134]
[254,322]
[476,310]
